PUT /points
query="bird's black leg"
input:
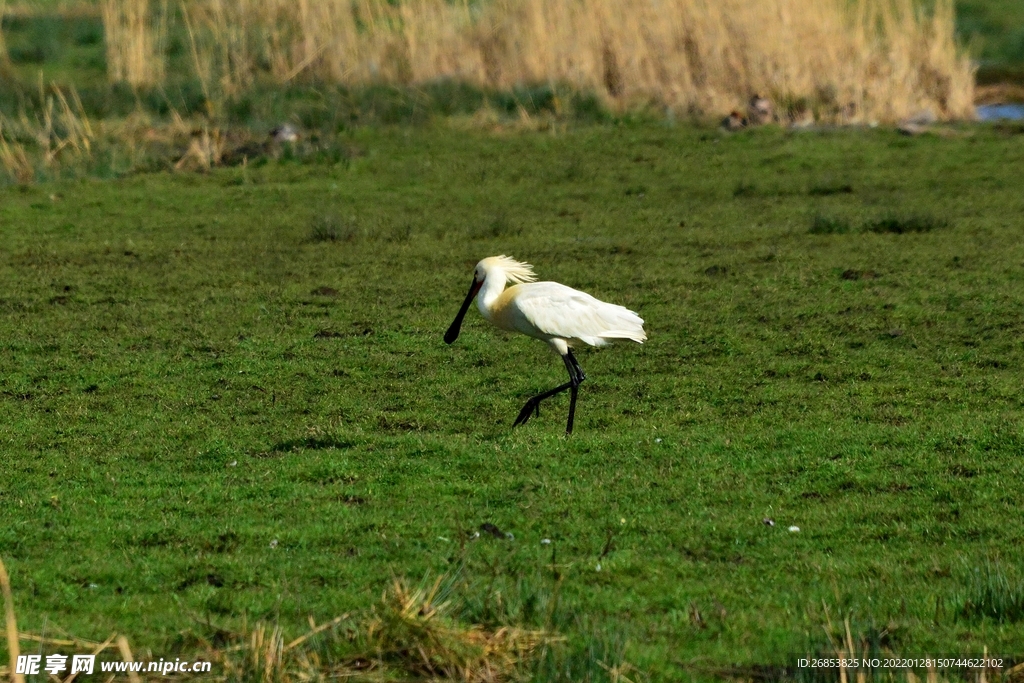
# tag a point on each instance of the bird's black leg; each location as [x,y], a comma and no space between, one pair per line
[580,375]
[576,377]
[573,391]
[533,405]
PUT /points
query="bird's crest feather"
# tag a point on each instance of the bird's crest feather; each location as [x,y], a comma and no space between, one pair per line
[516,272]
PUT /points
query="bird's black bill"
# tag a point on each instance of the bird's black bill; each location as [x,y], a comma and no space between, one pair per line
[453,332]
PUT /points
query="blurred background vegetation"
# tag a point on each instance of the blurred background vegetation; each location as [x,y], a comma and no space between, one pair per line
[994,30]
[174,55]
[106,87]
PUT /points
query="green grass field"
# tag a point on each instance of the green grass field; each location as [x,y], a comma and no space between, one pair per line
[226,397]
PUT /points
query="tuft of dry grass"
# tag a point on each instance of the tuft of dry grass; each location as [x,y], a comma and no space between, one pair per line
[59,134]
[11,624]
[205,150]
[15,160]
[839,61]
[410,633]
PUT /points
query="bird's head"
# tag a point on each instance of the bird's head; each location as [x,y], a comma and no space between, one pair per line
[480,273]
[503,267]
[515,272]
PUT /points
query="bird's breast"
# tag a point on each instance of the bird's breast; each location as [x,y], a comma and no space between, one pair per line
[501,313]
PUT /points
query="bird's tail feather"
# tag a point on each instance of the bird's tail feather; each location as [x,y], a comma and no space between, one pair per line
[639,336]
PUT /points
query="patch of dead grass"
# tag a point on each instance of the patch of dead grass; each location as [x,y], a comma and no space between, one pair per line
[845,62]
[410,633]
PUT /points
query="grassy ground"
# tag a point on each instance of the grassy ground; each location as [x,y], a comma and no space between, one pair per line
[227,395]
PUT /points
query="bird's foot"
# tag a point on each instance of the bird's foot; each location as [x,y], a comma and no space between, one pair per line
[532,406]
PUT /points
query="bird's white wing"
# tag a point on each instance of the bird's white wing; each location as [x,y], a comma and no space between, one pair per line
[549,309]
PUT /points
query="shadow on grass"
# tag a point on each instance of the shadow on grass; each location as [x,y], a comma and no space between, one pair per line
[828,225]
[895,225]
[826,189]
[901,225]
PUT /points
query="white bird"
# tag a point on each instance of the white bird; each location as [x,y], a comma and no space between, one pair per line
[561,316]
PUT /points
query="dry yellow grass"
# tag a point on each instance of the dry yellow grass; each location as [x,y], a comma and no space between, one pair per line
[409,634]
[11,624]
[412,631]
[15,161]
[134,37]
[59,134]
[844,61]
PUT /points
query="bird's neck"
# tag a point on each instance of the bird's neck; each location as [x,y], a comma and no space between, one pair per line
[492,288]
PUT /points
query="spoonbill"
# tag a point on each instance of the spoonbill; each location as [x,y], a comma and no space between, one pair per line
[551,312]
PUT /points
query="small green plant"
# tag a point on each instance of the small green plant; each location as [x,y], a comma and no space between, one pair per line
[400,233]
[324,229]
[330,228]
[990,594]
